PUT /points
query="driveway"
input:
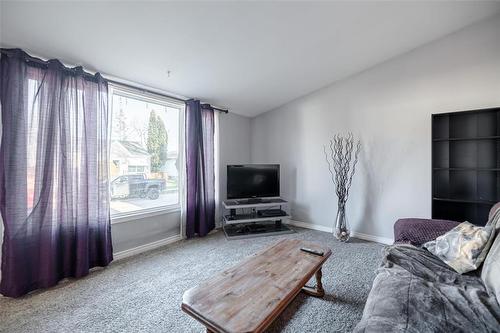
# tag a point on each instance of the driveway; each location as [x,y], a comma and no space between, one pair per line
[119,206]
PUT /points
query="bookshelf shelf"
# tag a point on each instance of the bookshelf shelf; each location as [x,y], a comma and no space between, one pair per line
[481,202]
[496,137]
[466,169]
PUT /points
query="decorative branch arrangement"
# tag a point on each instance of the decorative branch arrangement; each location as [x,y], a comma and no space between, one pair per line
[342,157]
[339,159]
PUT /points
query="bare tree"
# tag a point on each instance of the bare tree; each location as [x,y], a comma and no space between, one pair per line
[142,132]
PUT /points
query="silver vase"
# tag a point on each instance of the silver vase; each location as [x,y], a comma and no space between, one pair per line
[341,231]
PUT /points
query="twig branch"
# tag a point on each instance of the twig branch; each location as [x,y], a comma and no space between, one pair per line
[342,156]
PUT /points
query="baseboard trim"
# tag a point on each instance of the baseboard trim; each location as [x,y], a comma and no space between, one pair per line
[371,238]
[146,247]
[310,226]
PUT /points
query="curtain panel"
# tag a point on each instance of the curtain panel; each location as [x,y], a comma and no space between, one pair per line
[54,193]
[200,169]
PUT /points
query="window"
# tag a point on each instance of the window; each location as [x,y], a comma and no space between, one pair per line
[136,168]
[145,152]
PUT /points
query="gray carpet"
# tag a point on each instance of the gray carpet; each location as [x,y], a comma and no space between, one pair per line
[144,293]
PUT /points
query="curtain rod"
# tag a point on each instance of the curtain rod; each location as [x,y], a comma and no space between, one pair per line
[157,93]
[43,62]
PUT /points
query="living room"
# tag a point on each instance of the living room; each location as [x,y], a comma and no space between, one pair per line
[250,166]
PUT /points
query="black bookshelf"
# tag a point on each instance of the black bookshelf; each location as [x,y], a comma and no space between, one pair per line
[465,164]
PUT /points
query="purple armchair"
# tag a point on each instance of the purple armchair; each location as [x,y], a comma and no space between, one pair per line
[419,231]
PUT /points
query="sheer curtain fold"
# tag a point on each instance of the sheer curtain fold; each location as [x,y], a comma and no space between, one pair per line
[54,194]
[200,169]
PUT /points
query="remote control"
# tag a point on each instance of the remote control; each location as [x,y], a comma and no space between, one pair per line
[311,251]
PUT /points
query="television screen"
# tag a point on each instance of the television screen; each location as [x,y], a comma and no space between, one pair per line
[253,181]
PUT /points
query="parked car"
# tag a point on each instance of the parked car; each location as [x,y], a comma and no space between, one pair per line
[137,185]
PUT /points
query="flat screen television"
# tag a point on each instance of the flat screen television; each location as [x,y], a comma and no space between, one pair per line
[253,181]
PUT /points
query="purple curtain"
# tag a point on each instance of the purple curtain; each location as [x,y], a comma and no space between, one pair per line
[200,213]
[54,196]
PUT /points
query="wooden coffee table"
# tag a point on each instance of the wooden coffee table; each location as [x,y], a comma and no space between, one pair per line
[250,295]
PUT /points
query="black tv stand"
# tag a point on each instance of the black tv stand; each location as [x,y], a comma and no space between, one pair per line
[254,217]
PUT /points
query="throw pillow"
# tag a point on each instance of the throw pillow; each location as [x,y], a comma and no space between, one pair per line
[464,247]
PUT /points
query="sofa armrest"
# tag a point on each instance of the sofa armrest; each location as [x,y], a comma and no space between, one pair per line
[419,231]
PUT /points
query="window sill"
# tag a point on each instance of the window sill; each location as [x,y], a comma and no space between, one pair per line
[122,218]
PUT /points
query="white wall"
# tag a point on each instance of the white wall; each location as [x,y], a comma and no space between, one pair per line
[389,107]
[234,148]
[146,230]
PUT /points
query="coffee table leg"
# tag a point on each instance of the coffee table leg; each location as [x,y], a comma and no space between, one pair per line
[317,291]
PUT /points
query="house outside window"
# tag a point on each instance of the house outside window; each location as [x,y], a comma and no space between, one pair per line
[146,138]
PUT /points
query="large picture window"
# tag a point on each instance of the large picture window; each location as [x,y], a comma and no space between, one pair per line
[145,153]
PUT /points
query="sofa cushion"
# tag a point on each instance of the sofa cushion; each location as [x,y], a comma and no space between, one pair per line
[491,267]
[493,211]
[464,247]
[414,291]
[416,231]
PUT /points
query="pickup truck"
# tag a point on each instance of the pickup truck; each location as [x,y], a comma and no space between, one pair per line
[136,185]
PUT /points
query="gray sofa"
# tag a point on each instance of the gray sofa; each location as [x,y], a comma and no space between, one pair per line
[414,291]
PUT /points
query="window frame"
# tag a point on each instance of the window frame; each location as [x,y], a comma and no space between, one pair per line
[141,95]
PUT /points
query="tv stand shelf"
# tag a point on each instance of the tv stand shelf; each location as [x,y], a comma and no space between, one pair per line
[253,217]
[245,217]
[246,203]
